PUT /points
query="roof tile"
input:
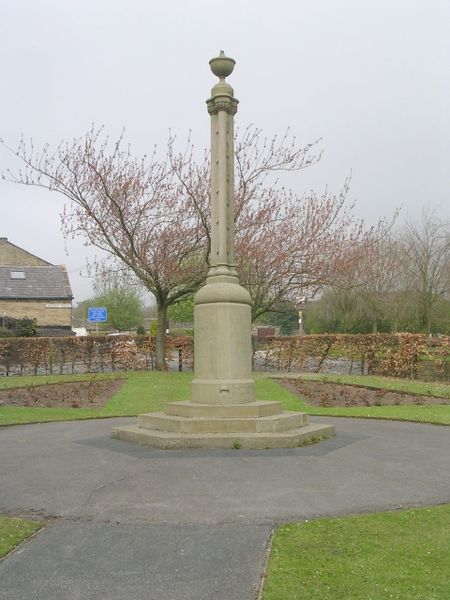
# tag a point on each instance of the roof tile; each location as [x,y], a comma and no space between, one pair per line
[40,283]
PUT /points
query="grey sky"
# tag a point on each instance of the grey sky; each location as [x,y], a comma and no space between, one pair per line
[371,78]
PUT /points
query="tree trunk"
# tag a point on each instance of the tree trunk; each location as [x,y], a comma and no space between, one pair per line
[424,312]
[253,351]
[374,325]
[160,346]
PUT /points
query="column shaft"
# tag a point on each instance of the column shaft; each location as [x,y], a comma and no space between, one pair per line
[222,315]
[222,196]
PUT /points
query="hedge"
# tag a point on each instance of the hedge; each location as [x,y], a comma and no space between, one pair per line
[397,355]
[90,354]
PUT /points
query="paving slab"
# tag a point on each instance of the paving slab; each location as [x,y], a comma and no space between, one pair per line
[89,561]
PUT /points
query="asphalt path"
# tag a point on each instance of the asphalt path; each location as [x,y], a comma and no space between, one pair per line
[125,521]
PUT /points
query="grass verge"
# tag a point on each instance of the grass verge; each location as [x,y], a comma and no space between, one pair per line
[149,391]
[402,555]
[13,531]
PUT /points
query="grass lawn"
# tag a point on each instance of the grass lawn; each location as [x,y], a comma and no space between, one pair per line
[142,392]
[149,391]
[13,531]
[404,555]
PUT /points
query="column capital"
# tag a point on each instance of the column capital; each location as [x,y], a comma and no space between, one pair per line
[222,102]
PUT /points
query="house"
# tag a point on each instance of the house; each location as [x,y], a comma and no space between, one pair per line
[33,288]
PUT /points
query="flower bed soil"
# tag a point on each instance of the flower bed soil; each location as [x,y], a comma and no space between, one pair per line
[319,393]
[80,394]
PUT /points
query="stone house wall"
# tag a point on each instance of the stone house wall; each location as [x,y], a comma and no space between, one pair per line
[46,312]
[13,256]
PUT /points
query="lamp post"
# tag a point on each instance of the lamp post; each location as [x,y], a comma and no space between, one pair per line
[300,305]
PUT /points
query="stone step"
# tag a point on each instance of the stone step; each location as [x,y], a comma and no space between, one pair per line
[195,409]
[282,421]
[172,441]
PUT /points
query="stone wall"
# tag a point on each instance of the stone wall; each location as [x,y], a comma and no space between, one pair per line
[46,313]
[11,255]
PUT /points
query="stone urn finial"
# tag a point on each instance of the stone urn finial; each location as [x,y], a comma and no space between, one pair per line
[222,65]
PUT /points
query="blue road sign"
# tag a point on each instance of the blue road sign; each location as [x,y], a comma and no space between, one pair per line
[97,314]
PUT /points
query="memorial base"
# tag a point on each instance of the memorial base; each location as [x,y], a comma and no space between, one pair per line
[256,425]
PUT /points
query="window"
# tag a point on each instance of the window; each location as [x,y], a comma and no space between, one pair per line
[17,275]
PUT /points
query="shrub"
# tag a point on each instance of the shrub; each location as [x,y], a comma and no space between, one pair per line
[25,327]
[396,355]
[87,354]
[5,332]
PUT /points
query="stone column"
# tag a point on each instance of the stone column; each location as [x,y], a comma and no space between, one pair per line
[222,315]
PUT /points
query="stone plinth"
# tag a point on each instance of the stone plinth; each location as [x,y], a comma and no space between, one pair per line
[222,344]
[247,425]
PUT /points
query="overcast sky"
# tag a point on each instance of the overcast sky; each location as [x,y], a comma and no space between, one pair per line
[370,77]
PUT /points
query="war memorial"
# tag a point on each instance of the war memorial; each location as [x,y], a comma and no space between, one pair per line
[223,411]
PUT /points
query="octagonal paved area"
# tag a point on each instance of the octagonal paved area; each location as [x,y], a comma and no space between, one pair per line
[125,521]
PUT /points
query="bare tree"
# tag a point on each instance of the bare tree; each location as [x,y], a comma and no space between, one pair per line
[377,281]
[135,210]
[425,250]
[315,242]
[287,246]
